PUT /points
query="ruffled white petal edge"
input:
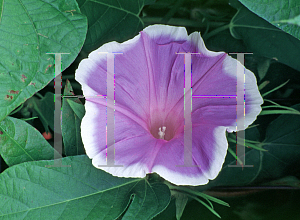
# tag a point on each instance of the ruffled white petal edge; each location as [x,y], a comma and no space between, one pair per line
[89,130]
[254,97]
[195,39]
[174,33]
[179,34]
[202,178]
[137,170]
[99,56]
[154,32]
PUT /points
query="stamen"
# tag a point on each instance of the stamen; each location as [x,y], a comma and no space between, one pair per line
[162,133]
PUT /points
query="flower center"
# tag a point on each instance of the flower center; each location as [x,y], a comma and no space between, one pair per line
[165,125]
[162,133]
[164,130]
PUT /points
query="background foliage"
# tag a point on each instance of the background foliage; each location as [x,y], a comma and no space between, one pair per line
[32,187]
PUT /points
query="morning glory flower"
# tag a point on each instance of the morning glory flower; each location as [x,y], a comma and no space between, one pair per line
[149,105]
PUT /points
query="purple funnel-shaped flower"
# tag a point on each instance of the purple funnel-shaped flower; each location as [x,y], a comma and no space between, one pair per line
[149,105]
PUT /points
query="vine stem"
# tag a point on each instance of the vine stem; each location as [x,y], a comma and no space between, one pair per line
[39,95]
[181,22]
[171,12]
[216,31]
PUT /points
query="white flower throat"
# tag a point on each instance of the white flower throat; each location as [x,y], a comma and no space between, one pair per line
[162,133]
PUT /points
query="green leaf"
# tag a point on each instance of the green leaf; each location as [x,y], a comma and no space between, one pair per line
[262,68]
[222,40]
[168,213]
[279,10]
[35,190]
[206,206]
[236,176]
[115,20]
[283,144]
[264,39]
[149,2]
[248,143]
[144,197]
[234,156]
[181,200]
[44,109]
[20,142]
[190,191]
[29,30]
[78,108]
[273,112]
[272,90]
[263,85]
[72,114]
[276,105]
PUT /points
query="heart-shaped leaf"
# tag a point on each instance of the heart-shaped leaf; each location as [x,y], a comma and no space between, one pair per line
[76,190]
[115,20]
[264,39]
[283,144]
[281,10]
[29,30]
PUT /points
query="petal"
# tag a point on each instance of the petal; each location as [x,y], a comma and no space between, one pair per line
[135,149]
[135,154]
[93,129]
[208,151]
[131,80]
[142,72]
[165,34]
[222,82]
[215,74]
